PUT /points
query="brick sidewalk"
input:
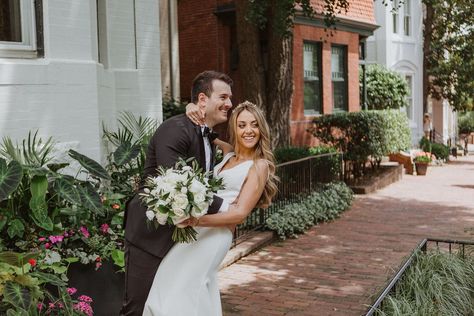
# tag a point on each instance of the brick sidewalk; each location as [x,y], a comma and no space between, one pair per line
[336,267]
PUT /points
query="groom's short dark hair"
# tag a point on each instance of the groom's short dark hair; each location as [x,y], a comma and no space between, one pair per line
[203,83]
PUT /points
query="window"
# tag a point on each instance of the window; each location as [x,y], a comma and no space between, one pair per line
[409,106]
[312,78]
[17,28]
[339,78]
[407,18]
[395,8]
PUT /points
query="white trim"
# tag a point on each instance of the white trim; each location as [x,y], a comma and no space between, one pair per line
[27,47]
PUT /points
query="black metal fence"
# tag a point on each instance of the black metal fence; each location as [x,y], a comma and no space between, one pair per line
[297,179]
[462,247]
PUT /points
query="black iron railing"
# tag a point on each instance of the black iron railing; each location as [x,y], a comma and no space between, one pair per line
[297,179]
[445,244]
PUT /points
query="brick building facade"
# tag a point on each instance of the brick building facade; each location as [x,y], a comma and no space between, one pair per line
[207,40]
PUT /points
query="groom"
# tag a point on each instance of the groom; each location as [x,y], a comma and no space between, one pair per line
[178,137]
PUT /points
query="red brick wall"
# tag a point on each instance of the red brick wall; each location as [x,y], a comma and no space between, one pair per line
[360,10]
[300,122]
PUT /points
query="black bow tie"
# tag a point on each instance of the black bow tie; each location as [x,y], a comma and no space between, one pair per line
[210,134]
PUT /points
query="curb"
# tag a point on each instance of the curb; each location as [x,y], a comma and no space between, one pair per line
[252,244]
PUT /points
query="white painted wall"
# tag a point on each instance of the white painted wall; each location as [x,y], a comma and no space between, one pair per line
[69,93]
[401,53]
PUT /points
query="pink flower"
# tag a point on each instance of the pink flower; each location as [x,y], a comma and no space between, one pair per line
[104,228]
[71,290]
[47,245]
[84,231]
[83,307]
[85,298]
[40,306]
[56,239]
[98,265]
[60,305]
[41,239]
[51,305]
[116,206]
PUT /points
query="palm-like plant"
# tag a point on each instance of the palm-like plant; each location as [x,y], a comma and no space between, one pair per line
[126,162]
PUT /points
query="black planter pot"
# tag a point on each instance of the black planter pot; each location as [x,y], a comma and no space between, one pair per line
[105,286]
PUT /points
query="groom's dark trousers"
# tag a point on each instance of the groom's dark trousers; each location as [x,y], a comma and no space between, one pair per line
[145,245]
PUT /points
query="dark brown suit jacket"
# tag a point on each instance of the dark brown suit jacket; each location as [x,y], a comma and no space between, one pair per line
[176,137]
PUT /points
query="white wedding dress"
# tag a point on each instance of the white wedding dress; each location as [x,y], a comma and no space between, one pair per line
[186,281]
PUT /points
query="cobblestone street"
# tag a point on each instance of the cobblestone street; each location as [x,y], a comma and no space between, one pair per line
[337,268]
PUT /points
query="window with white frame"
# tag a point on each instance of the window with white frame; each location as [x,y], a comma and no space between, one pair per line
[409,98]
[339,77]
[312,78]
[17,28]
[407,17]
[395,8]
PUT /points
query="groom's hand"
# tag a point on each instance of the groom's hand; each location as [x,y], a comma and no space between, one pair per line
[195,114]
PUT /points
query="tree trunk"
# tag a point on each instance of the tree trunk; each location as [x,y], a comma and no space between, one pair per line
[279,85]
[251,63]
[427,37]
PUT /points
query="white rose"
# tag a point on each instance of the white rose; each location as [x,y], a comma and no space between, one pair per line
[161,218]
[150,215]
[197,187]
[178,212]
[180,201]
[200,210]
[184,190]
[199,197]
[179,219]
[146,190]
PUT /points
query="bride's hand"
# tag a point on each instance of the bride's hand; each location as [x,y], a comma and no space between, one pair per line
[195,114]
[192,221]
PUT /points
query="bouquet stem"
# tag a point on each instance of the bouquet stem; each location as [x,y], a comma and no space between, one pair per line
[184,235]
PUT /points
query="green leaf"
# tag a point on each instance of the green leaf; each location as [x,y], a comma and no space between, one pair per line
[18,296]
[57,166]
[65,189]
[17,259]
[10,177]
[90,165]
[48,278]
[38,206]
[90,199]
[118,256]
[58,269]
[17,312]
[126,152]
[15,228]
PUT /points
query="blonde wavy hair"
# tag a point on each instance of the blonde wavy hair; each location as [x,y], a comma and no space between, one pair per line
[262,149]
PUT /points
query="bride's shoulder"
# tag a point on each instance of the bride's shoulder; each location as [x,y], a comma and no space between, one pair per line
[261,166]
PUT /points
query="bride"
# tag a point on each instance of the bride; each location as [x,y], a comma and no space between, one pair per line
[186,281]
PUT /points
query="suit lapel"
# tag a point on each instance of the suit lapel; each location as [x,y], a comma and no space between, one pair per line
[201,154]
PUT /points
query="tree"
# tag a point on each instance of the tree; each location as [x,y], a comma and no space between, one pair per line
[448,60]
[264,36]
[386,89]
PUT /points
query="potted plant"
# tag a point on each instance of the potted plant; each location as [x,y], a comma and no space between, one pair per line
[422,159]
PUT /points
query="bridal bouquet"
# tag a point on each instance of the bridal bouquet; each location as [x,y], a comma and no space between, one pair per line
[178,193]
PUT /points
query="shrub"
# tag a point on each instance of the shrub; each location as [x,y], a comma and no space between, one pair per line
[290,153]
[322,205]
[364,136]
[466,123]
[440,151]
[172,107]
[386,89]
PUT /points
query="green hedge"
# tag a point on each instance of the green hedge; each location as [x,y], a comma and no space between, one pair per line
[364,136]
[320,206]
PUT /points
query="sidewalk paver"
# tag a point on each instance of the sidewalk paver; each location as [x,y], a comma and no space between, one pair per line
[337,267]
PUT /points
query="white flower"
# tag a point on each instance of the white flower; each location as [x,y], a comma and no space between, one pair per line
[146,190]
[184,190]
[200,210]
[180,201]
[197,187]
[150,215]
[179,219]
[161,218]
[52,257]
[199,197]
[178,212]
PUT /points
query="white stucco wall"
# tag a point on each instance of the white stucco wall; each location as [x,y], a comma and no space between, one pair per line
[401,53]
[68,93]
